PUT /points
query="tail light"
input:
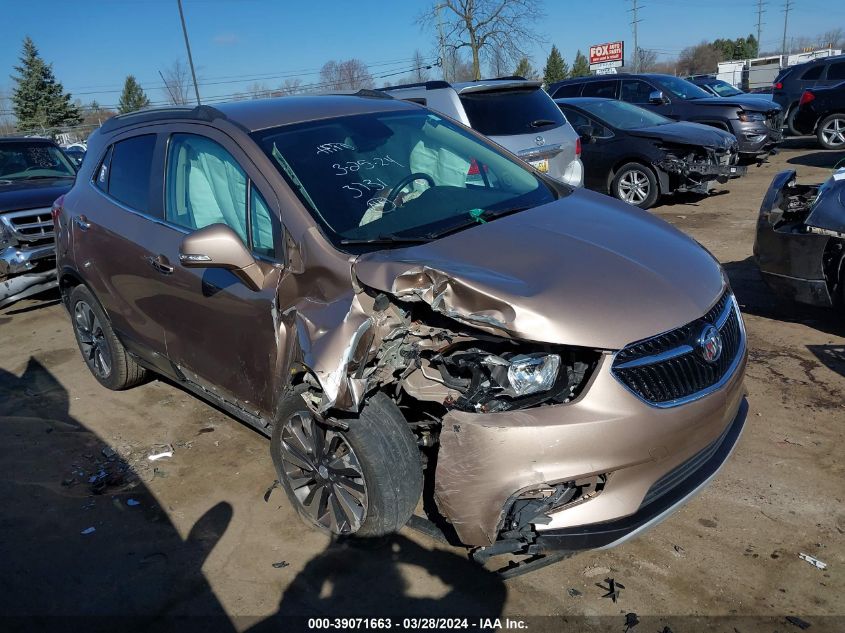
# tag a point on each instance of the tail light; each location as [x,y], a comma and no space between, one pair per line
[57,209]
[777,85]
[578,147]
[806,97]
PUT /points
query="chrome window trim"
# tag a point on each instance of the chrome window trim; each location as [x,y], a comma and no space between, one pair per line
[732,305]
[140,214]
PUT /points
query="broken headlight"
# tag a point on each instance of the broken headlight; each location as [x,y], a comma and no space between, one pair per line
[506,379]
[526,373]
[751,117]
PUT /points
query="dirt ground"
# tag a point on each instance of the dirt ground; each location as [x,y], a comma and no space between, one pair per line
[193,534]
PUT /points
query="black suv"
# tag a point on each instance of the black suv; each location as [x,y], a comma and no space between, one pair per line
[791,83]
[755,122]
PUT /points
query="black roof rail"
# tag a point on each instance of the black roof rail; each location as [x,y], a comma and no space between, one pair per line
[372,94]
[428,85]
[197,113]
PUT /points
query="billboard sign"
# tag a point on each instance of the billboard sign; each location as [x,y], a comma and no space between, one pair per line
[609,55]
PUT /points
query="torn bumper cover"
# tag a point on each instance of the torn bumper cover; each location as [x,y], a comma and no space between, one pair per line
[488,461]
[26,272]
[800,241]
[694,173]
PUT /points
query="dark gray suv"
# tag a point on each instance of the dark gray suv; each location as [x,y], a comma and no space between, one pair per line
[756,123]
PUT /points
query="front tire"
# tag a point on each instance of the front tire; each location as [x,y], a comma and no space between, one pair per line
[101,350]
[635,184]
[831,131]
[365,481]
[790,121]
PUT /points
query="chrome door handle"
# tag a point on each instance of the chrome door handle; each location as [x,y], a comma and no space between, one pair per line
[82,222]
[160,263]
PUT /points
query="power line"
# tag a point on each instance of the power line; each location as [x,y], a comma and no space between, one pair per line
[634,22]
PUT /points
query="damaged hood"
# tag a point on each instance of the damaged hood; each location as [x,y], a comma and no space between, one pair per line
[585,270]
[687,134]
[752,104]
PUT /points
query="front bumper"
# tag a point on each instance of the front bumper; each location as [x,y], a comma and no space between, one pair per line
[487,460]
[25,272]
[758,138]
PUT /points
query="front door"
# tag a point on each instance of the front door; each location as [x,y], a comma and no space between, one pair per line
[220,334]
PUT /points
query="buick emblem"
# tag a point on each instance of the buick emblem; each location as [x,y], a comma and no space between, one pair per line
[710,343]
[539,140]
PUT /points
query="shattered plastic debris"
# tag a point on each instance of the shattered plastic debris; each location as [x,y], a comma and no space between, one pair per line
[108,452]
[815,562]
[89,530]
[272,487]
[133,502]
[160,452]
[631,620]
[613,589]
[796,621]
[281,564]
[574,592]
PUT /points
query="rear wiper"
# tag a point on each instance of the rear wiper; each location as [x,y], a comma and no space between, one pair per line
[541,123]
[385,239]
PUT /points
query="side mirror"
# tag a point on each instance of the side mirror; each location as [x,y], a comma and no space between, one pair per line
[587,133]
[656,97]
[218,246]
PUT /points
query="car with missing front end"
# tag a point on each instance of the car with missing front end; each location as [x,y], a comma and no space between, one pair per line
[637,155]
[33,173]
[561,370]
[800,243]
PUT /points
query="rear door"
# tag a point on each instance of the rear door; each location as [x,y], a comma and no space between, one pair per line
[599,153]
[112,238]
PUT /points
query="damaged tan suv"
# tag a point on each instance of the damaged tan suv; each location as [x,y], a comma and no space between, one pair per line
[411,314]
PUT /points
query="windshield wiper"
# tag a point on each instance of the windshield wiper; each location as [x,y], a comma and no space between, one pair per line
[541,123]
[385,239]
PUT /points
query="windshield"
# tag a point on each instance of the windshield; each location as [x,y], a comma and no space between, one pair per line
[398,175]
[22,160]
[681,87]
[723,88]
[507,112]
[623,115]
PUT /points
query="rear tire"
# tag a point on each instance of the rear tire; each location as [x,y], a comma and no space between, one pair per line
[635,184]
[364,482]
[790,121]
[831,131]
[101,350]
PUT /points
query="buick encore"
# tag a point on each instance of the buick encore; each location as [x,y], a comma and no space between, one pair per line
[403,306]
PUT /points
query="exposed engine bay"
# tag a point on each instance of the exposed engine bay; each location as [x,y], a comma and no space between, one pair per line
[693,168]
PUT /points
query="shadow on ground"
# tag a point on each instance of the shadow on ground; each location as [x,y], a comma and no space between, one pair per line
[832,356]
[134,571]
[818,159]
[755,297]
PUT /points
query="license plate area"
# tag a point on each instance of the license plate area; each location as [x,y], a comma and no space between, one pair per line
[540,164]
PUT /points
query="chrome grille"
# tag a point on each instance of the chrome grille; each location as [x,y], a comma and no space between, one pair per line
[31,225]
[668,369]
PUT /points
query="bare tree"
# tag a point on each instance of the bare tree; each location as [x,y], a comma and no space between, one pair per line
[702,58]
[644,60]
[499,64]
[835,38]
[483,26]
[455,67]
[7,120]
[177,83]
[351,74]
[420,72]
[258,90]
[291,87]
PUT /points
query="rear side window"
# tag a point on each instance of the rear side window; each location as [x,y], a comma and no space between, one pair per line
[101,176]
[507,112]
[836,71]
[600,89]
[129,171]
[568,90]
[812,73]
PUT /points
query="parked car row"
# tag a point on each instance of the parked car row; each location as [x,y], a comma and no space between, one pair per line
[405,308]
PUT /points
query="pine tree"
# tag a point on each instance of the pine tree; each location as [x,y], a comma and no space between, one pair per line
[133,97]
[556,68]
[525,69]
[580,67]
[38,100]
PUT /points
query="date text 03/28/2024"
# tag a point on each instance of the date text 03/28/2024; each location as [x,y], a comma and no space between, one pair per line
[416,624]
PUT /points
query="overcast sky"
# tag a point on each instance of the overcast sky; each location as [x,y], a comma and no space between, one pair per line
[93,45]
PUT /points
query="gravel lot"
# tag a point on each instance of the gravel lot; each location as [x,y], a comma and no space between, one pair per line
[202,539]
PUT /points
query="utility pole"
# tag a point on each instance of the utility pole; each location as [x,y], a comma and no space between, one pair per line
[634,22]
[442,43]
[188,46]
[786,7]
[760,12]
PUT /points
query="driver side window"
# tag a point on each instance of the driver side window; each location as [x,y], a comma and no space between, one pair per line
[636,91]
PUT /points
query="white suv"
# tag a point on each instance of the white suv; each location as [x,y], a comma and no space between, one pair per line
[514,112]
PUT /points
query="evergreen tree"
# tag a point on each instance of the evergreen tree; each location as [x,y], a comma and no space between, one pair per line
[133,97]
[38,100]
[580,67]
[556,68]
[525,69]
